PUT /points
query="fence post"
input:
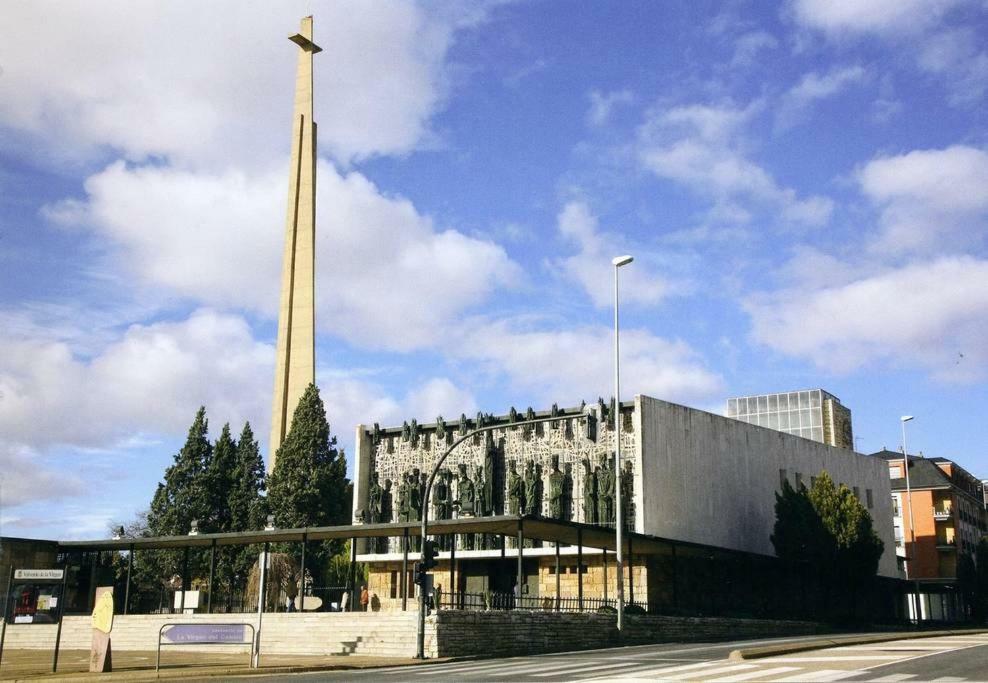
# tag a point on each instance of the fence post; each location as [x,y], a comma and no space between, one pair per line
[130,566]
[521,554]
[404,570]
[301,594]
[579,568]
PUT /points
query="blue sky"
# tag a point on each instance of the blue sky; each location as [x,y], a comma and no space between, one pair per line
[804,186]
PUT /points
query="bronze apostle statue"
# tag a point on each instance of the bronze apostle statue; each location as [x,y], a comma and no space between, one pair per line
[589,493]
[556,486]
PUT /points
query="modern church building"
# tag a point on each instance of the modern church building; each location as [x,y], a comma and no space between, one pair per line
[692,477]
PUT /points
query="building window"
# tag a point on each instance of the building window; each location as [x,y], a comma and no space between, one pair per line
[868,498]
[857,492]
[799,481]
[783,478]
[394,584]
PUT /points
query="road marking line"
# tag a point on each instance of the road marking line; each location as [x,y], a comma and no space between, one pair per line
[689,668]
[850,658]
[894,648]
[565,671]
[825,675]
[755,674]
[894,677]
[530,668]
[475,666]
[948,679]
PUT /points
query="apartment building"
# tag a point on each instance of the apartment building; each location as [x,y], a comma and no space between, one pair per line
[813,414]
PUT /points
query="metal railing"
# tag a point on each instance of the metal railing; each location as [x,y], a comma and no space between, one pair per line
[543,603]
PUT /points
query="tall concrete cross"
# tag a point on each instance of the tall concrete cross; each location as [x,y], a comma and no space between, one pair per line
[295,365]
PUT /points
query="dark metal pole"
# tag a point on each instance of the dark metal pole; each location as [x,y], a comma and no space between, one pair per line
[453,578]
[301,592]
[675,592]
[605,574]
[631,572]
[61,611]
[521,554]
[212,576]
[185,580]
[420,639]
[6,606]
[579,568]
[353,574]
[130,567]
[557,576]
[404,571]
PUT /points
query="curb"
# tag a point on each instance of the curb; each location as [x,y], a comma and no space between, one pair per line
[179,673]
[790,648]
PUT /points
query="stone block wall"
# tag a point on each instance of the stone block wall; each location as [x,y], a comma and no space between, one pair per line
[524,632]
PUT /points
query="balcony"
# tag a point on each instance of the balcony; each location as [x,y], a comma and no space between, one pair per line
[942,514]
[947,544]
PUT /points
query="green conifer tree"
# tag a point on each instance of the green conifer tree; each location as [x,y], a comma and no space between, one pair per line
[308,484]
[183,496]
[220,483]
[244,500]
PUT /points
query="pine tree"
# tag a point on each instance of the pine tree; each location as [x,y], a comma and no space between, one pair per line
[798,535]
[308,484]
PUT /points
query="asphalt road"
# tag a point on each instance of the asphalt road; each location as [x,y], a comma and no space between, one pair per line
[565,666]
[945,659]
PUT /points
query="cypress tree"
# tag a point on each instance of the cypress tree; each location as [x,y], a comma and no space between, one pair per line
[221,480]
[244,498]
[183,496]
[308,485]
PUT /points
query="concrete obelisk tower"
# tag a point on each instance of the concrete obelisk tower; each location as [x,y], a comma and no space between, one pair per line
[295,366]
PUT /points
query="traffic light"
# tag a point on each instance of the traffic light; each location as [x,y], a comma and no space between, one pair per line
[420,573]
[429,555]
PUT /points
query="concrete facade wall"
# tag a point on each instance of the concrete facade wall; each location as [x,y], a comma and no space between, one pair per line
[710,479]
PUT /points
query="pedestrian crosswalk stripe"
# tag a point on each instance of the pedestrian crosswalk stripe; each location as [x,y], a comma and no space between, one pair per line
[823,675]
[563,671]
[892,678]
[835,659]
[686,669]
[756,674]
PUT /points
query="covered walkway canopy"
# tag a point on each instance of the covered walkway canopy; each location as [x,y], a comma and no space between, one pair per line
[539,528]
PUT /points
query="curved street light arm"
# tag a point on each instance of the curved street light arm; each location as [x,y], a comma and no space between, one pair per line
[420,639]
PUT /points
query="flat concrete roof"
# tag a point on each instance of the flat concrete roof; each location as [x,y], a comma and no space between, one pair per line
[552,530]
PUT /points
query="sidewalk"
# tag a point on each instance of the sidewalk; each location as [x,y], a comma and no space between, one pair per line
[73,665]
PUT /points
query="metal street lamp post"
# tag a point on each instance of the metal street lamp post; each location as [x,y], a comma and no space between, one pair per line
[912,523]
[424,529]
[617,262]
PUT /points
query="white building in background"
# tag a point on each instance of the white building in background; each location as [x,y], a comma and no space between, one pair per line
[812,414]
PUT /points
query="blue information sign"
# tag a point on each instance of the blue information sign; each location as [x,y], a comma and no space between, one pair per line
[206,633]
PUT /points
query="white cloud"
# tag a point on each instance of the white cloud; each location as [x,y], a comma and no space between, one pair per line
[210,83]
[591,266]
[749,45]
[813,87]
[150,380]
[602,104]
[702,147]
[567,365]
[878,16]
[931,314]
[957,55]
[25,478]
[929,199]
[217,238]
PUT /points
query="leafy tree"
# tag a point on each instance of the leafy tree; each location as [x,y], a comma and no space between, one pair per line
[308,485]
[799,535]
[967,580]
[856,547]
[981,580]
